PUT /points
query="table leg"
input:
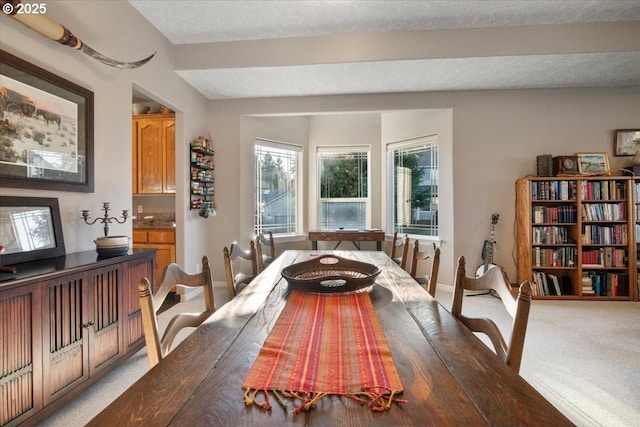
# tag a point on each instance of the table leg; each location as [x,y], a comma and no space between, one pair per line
[314,245]
[379,245]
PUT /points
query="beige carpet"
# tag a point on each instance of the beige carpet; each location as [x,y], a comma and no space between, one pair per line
[583,356]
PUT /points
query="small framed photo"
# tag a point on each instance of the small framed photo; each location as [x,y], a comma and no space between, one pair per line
[593,164]
[626,142]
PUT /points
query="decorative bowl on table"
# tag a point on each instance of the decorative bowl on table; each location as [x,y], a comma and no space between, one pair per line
[330,274]
[110,246]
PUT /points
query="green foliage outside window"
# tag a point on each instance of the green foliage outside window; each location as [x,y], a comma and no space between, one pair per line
[344,175]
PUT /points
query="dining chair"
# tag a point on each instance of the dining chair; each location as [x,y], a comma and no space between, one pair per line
[265,259]
[237,280]
[401,260]
[173,276]
[428,280]
[518,308]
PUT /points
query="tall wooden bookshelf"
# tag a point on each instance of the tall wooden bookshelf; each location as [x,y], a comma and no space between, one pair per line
[636,225]
[576,236]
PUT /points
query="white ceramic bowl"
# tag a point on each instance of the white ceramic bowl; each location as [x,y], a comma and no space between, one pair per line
[112,241]
[140,108]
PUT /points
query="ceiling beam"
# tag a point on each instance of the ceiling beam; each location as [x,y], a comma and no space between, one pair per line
[411,45]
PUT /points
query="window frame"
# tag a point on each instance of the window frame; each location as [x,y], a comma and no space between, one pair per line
[408,144]
[299,195]
[337,149]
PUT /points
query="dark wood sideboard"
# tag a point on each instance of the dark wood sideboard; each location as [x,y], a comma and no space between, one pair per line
[64,323]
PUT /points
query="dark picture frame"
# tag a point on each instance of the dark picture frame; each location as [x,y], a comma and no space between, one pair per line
[593,164]
[30,229]
[626,142]
[46,129]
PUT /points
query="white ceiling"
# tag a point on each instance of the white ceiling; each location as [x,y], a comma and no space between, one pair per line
[228,49]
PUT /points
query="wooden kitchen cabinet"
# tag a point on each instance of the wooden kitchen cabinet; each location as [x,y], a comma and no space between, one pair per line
[66,322]
[154,154]
[161,240]
[134,156]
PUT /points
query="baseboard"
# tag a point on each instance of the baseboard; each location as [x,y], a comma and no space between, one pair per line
[449,288]
[189,294]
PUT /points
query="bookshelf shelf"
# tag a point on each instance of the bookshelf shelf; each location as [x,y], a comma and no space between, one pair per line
[577,237]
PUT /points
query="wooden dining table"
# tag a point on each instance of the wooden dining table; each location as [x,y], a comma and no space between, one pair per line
[450,377]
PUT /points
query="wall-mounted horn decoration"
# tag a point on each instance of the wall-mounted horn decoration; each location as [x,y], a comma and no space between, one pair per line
[57,32]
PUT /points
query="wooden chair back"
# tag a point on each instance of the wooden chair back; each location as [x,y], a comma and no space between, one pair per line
[265,259]
[173,276]
[237,281]
[430,280]
[496,279]
[401,260]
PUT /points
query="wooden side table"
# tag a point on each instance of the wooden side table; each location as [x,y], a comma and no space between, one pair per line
[354,236]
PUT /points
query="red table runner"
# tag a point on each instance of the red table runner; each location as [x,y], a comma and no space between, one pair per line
[325,345]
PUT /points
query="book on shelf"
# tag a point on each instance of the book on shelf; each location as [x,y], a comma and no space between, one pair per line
[604,234]
[604,211]
[605,284]
[603,190]
[564,214]
[550,284]
[553,285]
[587,285]
[554,257]
[551,235]
[604,257]
[553,190]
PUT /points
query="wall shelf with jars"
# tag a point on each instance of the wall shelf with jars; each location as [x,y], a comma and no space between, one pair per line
[202,179]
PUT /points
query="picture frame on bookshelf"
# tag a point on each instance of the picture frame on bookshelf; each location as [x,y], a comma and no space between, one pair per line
[626,142]
[593,164]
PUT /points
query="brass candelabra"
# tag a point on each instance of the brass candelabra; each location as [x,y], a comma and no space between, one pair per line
[106,219]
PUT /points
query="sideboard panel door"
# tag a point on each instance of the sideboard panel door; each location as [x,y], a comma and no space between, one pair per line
[105,326]
[20,371]
[66,355]
[134,271]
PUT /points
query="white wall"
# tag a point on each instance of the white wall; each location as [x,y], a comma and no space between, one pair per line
[496,136]
[116,30]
